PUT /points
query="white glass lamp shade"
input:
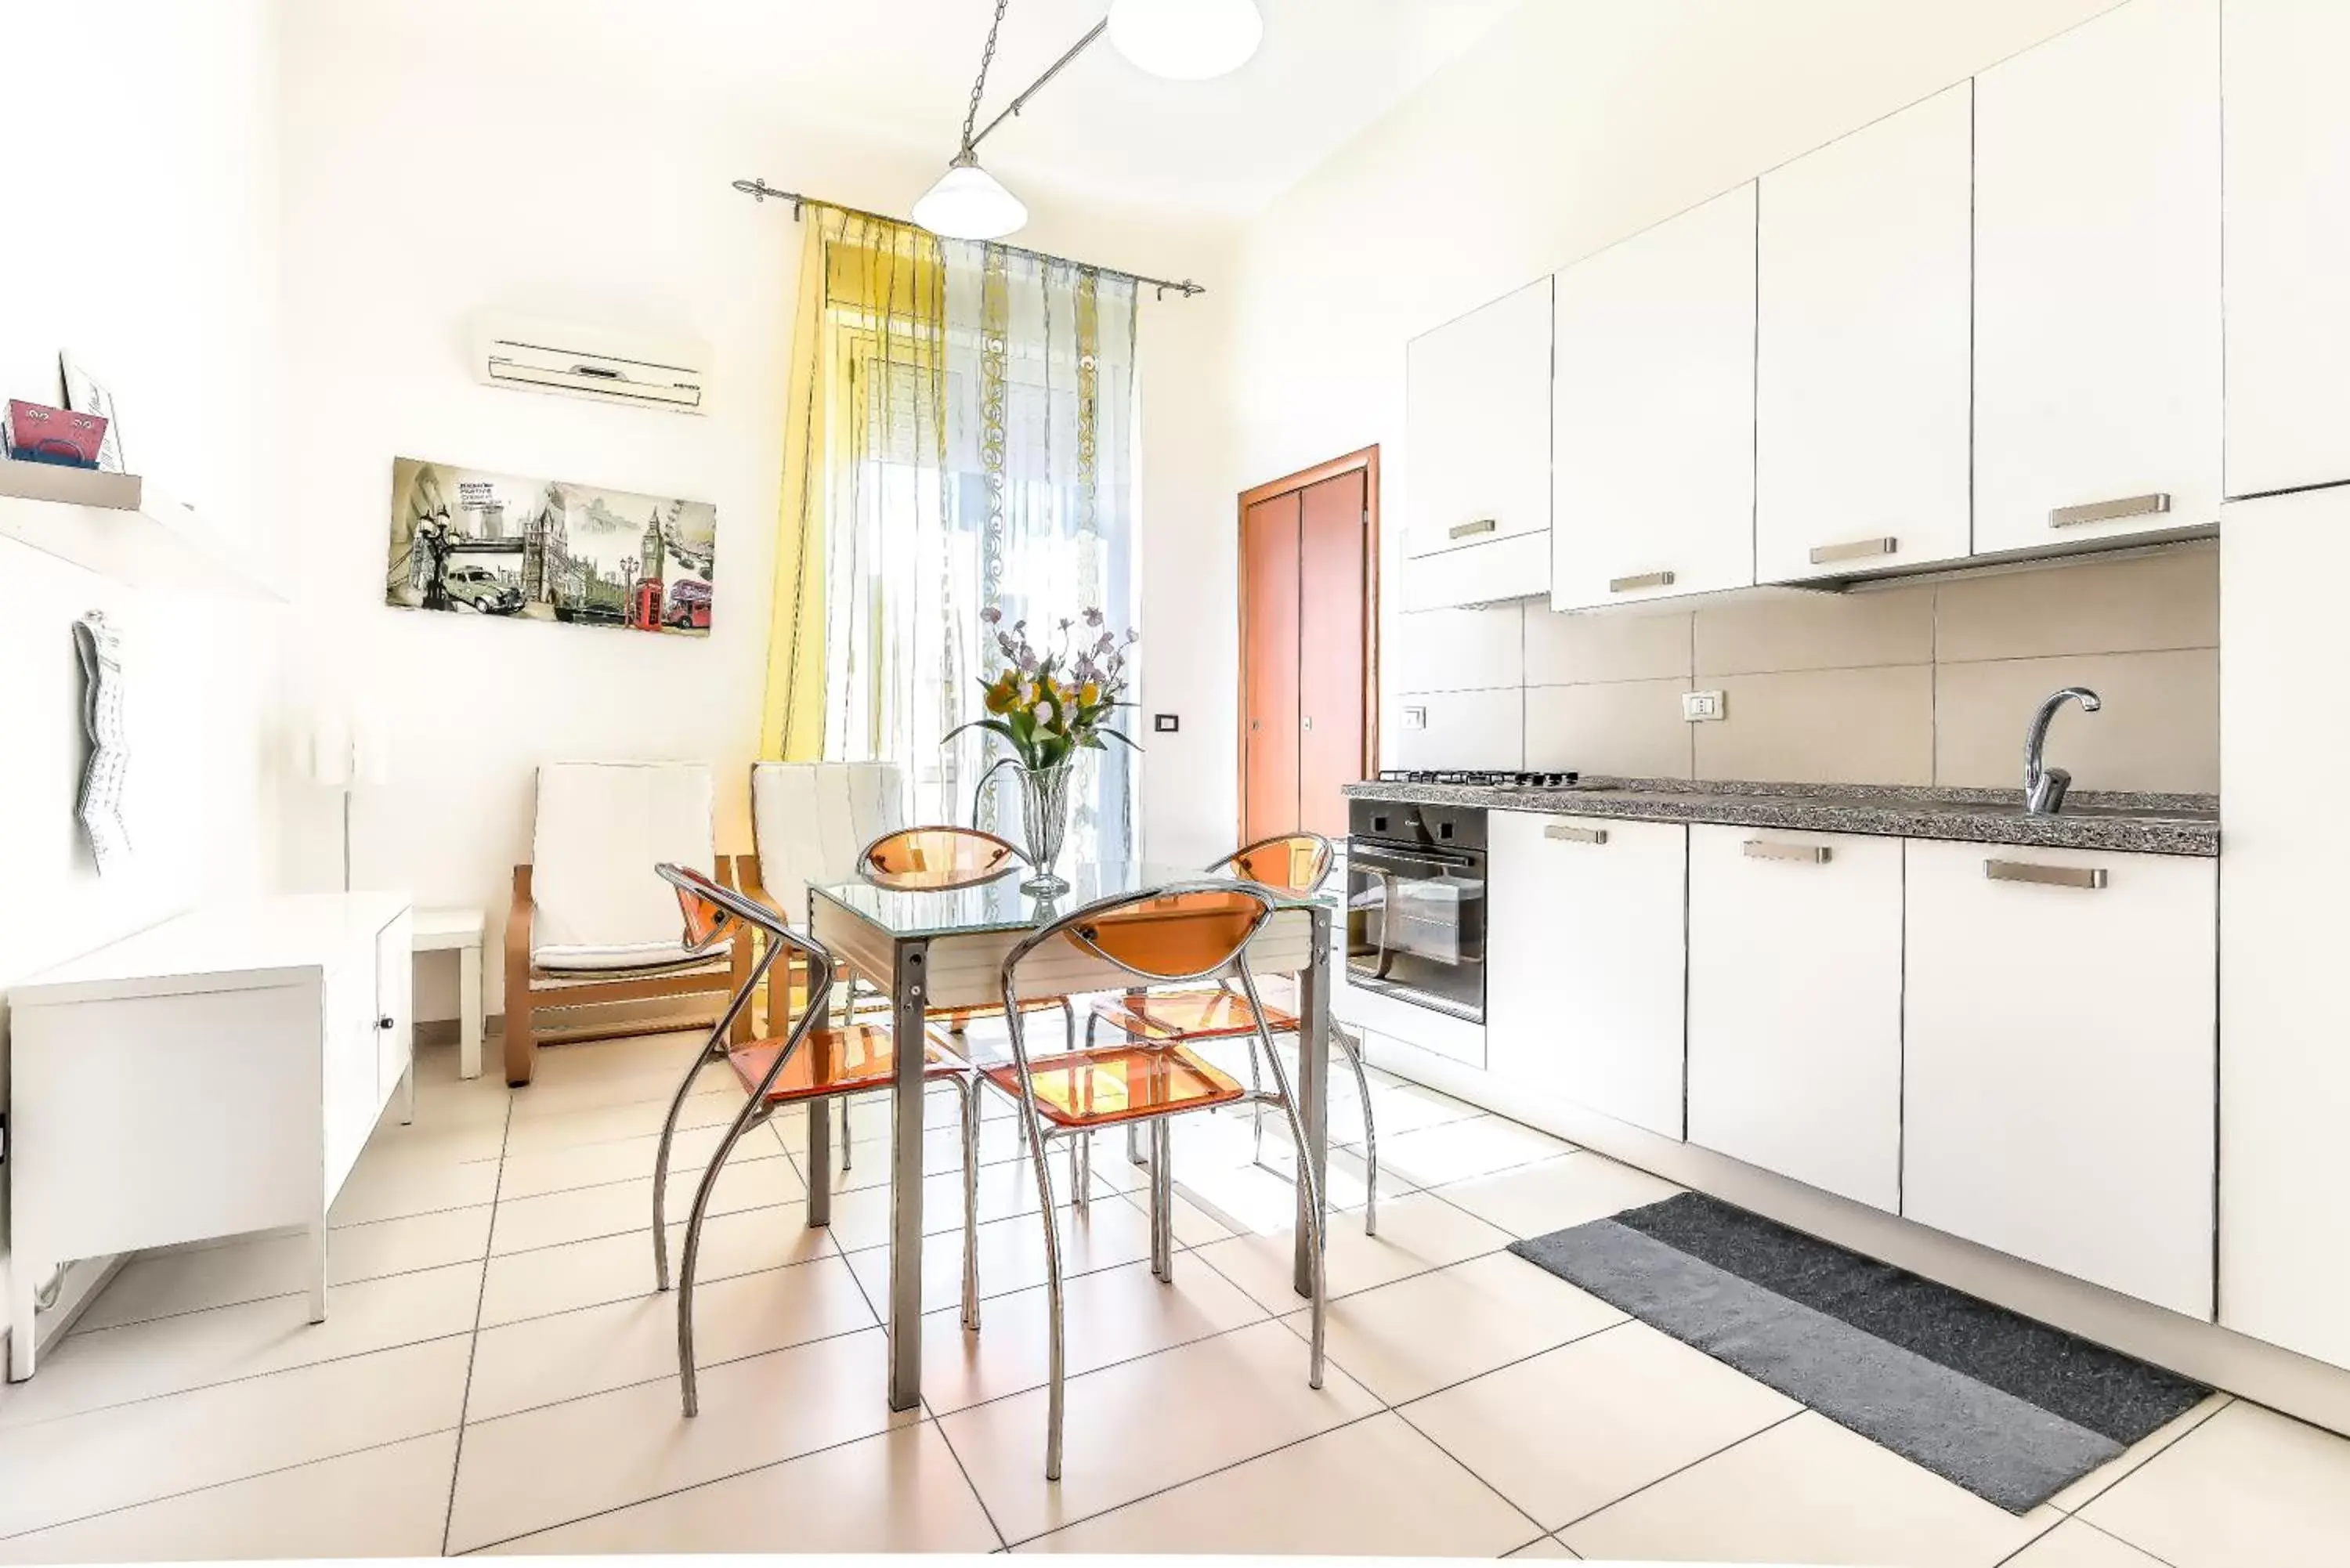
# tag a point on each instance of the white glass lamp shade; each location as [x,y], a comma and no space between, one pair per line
[1186,41]
[970,204]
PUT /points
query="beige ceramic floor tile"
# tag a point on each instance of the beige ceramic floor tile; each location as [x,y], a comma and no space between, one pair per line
[620,1267]
[449,1140]
[164,1283]
[2079,1495]
[1399,1108]
[526,1365]
[1553,1194]
[646,1082]
[1011,1253]
[899,1491]
[1416,1234]
[1575,1429]
[1374,1488]
[2248,1486]
[553,1219]
[1546,1549]
[1111,1315]
[1458,1150]
[1143,1426]
[1807,1490]
[196,1350]
[85,1465]
[2073,1544]
[391,1190]
[1194,1226]
[526,1473]
[543,1172]
[391,1501]
[1410,1338]
[635,1118]
[601,1061]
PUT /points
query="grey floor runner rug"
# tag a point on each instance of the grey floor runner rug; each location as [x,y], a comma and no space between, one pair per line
[2011,1410]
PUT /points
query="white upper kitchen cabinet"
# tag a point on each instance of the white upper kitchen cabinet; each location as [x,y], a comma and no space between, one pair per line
[1583,963]
[1795,1005]
[2059,1096]
[1652,451]
[2288,243]
[1864,348]
[1477,486]
[2097,342]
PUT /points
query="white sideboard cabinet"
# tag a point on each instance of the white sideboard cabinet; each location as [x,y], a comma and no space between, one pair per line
[214,1075]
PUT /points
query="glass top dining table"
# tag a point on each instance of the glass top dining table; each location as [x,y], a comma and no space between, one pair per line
[932,952]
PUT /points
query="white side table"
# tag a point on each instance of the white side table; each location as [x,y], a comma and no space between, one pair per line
[438,930]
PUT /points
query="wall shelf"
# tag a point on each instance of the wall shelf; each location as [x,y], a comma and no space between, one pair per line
[119,525]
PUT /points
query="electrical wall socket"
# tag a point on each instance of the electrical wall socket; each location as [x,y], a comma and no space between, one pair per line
[1702,707]
[1415,717]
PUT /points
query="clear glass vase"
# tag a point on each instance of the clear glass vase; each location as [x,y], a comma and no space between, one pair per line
[1044,823]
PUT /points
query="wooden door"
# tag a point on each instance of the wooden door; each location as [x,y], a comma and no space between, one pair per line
[1269,665]
[1330,654]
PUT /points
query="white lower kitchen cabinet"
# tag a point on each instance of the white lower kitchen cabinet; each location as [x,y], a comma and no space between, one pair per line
[1584,962]
[1795,1005]
[2061,1023]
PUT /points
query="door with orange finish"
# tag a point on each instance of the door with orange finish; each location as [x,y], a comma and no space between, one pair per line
[1269,666]
[1331,649]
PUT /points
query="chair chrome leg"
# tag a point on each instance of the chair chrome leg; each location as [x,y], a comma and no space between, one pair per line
[1162,1202]
[1081,1172]
[1353,1047]
[1069,1023]
[1316,1213]
[969,1093]
[847,1147]
[1256,1111]
[702,1057]
[744,1120]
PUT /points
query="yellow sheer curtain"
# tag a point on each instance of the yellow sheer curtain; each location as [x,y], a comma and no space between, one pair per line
[863,437]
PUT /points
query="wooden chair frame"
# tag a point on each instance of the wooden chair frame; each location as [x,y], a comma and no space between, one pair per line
[530,990]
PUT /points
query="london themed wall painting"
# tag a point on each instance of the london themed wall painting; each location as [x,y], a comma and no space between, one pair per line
[470,543]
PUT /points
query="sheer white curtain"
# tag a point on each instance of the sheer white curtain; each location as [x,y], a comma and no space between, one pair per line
[1007,480]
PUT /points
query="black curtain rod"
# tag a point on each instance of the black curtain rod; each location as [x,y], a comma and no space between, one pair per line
[760,190]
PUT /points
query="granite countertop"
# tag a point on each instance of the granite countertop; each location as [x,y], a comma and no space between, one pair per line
[2092,819]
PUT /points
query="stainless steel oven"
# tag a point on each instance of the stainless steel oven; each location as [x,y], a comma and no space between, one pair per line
[1416,905]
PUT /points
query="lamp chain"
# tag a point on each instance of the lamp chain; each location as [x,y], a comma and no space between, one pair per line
[986,58]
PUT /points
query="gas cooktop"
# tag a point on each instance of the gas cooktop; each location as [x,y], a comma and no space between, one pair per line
[1482,778]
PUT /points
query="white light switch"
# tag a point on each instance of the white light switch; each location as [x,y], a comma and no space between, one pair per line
[1415,717]
[1700,707]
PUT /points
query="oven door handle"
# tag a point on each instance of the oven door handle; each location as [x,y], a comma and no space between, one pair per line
[1399,862]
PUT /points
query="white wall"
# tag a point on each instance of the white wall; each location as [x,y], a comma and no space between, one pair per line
[155,263]
[1574,124]
[443,156]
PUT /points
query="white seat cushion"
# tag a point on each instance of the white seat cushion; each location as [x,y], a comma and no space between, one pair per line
[601,828]
[810,819]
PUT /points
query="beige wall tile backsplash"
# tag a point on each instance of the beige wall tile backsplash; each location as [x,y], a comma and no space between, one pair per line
[1926,684]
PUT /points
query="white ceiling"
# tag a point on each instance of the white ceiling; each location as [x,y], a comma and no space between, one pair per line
[899,72]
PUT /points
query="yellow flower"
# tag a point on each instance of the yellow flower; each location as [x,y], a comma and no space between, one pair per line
[1089,694]
[1001,696]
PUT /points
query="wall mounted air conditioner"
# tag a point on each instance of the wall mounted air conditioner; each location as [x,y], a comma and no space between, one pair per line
[536,355]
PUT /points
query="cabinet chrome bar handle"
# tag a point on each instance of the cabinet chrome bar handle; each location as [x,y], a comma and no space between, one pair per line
[2046,875]
[1853,550]
[2106,511]
[1643,580]
[1467,530]
[1567,833]
[1766,849]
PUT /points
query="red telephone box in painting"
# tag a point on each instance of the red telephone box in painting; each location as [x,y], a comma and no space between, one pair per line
[644,605]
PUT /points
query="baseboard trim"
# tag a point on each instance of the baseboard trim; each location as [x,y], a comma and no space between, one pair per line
[2314,1391]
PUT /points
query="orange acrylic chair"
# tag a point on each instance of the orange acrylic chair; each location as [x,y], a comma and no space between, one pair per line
[1184,932]
[1296,864]
[811,1065]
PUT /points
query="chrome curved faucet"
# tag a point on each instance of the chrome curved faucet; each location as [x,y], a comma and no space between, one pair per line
[2044,786]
